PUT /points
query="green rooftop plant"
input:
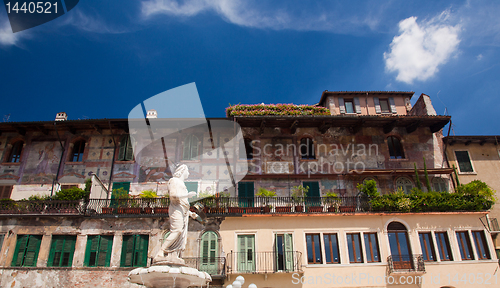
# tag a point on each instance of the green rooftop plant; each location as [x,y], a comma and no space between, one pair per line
[276,110]
[148,194]
[73,193]
[369,188]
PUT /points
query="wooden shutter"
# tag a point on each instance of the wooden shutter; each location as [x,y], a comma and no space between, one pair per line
[141,251]
[378,110]
[313,195]
[127,251]
[129,152]
[356,105]
[31,252]
[392,105]
[341,105]
[5,191]
[105,248]
[22,241]
[288,253]
[61,251]
[209,252]
[246,255]
[91,250]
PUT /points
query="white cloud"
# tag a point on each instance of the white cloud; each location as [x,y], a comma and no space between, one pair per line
[90,23]
[419,49]
[479,57]
[7,38]
[332,16]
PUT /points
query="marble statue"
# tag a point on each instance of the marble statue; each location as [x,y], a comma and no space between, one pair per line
[179,214]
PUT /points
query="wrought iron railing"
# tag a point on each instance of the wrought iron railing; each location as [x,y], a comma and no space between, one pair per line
[264,262]
[215,266]
[8,206]
[405,263]
[213,205]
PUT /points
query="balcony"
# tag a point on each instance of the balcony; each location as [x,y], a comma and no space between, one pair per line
[405,264]
[215,266]
[42,207]
[264,262]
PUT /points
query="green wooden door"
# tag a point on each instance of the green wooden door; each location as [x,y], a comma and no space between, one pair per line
[245,194]
[246,253]
[209,252]
[313,196]
[284,252]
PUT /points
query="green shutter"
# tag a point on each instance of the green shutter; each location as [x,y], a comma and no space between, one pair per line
[313,195]
[21,242]
[192,186]
[123,146]
[209,252]
[246,255]
[246,194]
[105,248]
[129,151]
[127,251]
[288,253]
[141,251]
[32,249]
[91,250]
[61,252]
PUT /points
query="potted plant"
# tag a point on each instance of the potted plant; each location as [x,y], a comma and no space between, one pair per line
[266,195]
[72,194]
[147,197]
[332,202]
[298,194]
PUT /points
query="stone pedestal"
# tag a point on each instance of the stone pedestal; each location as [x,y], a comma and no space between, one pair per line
[171,276]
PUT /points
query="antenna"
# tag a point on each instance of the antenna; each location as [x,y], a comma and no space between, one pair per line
[6,118]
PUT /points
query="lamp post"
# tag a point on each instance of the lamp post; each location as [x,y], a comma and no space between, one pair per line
[238,283]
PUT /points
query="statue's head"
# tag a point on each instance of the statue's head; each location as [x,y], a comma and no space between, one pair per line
[181,170]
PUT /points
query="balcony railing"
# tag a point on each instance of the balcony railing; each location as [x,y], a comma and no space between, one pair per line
[8,206]
[405,263]
[263,262]
[215,266]
[213,205]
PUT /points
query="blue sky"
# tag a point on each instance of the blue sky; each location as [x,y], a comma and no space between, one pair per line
[104,57]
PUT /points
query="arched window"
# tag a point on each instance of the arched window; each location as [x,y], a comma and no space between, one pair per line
[246,151]
[190,148]
[395,148]
[209,252]
[77,153]
[126,152]
[307,148]
[405,184]
[400,246]
[440,184]
[15,152]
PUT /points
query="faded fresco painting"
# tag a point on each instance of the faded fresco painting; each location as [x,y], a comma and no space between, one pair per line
[42,162]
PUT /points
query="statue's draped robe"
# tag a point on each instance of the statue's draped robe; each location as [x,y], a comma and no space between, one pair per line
[179,216]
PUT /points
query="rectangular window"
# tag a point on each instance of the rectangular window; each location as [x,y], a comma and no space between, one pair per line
[331,248]
[384,106]
[313,249]
[134,251]
[443,246]
[26,252]
[371,247]
[464,163]
[464,245]
[98,251]
[482,250]
[427,246]
[61,251]
[349,106]
[354,247]
[5,191]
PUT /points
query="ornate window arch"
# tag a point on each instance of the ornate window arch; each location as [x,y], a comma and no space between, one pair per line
[405,184]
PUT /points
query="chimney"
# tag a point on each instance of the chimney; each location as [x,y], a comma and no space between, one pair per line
[61,116]
[152,114]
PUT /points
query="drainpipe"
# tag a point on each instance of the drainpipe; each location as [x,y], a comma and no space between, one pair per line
[112,160]
[366,104]
[446,156]
[60,160]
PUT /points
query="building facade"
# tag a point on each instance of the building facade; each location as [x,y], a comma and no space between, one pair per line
[329,238]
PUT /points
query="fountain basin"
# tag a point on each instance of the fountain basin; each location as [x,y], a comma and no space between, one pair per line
[169,276]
